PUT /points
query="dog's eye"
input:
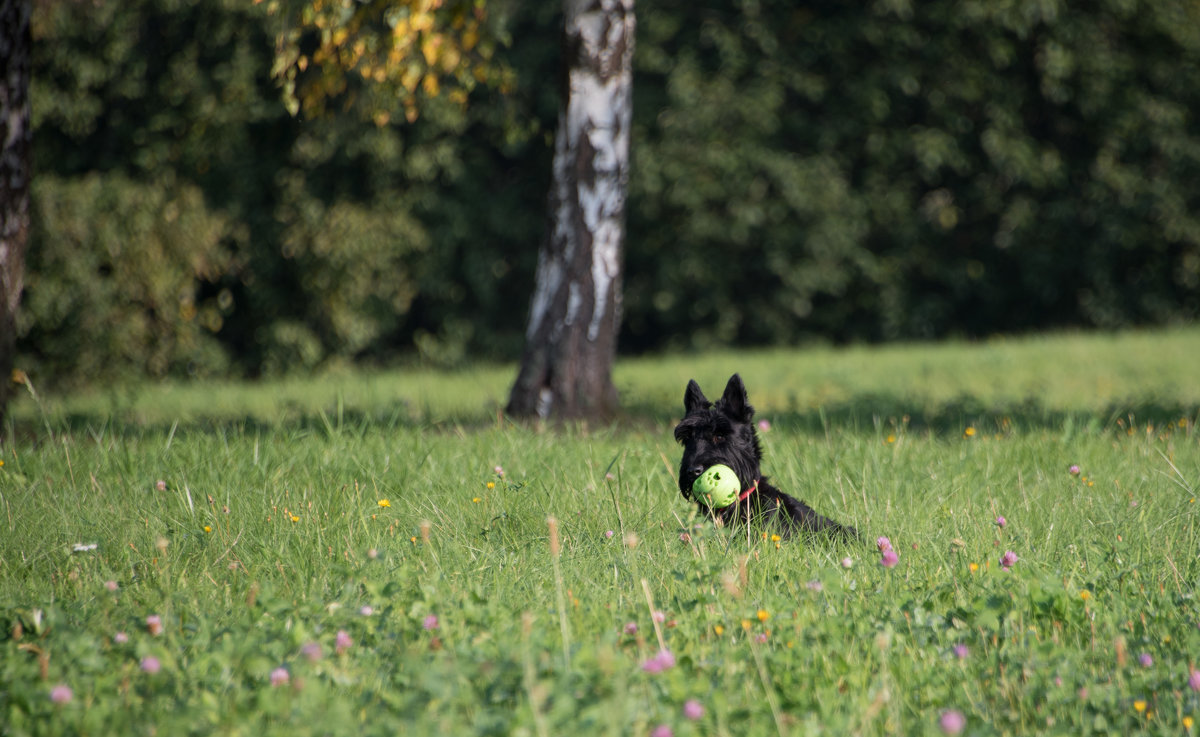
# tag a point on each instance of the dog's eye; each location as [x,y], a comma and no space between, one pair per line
[718,439]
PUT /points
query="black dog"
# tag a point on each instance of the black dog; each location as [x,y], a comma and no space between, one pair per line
[723,434]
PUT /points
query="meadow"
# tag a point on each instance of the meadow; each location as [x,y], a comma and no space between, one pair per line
[385,553]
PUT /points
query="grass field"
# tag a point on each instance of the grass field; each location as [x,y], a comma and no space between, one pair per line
[369,553]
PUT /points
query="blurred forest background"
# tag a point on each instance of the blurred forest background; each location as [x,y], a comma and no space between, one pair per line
[821,171]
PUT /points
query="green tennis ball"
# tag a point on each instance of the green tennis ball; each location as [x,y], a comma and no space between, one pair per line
[719,486]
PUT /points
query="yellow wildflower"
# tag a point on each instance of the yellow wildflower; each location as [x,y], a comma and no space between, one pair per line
[974,567]
[1188,722]
[207,528]
[1085,594]
[295,518]
[384,503]
[477,499]
[718,630]
[1139,706]
[763,614]
[969,432]
[491,485]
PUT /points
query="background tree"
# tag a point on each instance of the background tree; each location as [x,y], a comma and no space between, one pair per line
[825,171]
[392,53]
[317,245]
[575,314]
[403,50]
[15,170]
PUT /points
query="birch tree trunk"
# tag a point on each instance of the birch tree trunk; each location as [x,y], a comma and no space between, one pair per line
[575,313]
[14,176]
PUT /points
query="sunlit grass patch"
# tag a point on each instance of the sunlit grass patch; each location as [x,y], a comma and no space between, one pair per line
[378,574]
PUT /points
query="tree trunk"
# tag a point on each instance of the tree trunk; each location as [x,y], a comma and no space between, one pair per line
[15,169]
[575,313]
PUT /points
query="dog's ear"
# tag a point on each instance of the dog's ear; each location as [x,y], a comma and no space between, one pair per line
[693,398]
[734,400]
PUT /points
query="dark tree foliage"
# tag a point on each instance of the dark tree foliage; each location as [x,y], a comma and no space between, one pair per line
[830,171]
[913,170]
[340,239]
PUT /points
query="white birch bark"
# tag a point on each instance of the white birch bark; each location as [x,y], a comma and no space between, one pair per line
[575,311]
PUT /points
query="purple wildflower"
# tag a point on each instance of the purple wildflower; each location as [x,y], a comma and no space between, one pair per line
[1194,680]
[311,651]
[883,544]
[1145,660]
[1001,522]
[366,610]
[1073,470]
[660,662]
[61,694]
[608,534]
[890,558]
[280,677]
[342,642]
[952,721]
[693,709]
[151,665]
[961,651]
[631,628]
[662,730]
[120,638]
[764,426]
[111,585]
[1008,560]
[652,666]
[154,624]
[430,622]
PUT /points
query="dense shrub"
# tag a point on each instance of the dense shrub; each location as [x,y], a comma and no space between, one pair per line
[913,170]
[117,284]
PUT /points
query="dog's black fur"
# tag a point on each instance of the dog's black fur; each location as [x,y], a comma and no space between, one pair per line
[723,433]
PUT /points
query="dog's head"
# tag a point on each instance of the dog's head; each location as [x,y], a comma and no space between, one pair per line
[717,433]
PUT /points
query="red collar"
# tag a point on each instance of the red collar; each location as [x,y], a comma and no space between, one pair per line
[746,494]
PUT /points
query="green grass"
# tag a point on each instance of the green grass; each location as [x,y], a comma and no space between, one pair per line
[269,536]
